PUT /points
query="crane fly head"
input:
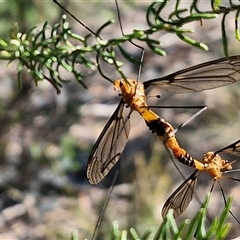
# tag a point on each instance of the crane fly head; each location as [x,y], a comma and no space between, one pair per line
[214,164]
[127,87]
[132,92]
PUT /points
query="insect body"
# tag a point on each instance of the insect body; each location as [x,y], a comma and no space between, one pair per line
[111,142]
[162,129]
[214,165]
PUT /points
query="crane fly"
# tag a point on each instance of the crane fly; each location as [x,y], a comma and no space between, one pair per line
[112,140]
[215,166]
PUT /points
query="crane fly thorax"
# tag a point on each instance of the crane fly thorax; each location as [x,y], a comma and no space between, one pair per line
[214,164]
[132,93]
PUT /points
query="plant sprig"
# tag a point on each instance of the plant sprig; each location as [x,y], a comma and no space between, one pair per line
[45,52]
[188,229]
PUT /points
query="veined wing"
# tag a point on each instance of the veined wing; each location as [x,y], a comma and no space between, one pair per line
[234,147]
[109,146]
[208,75]
[181,197]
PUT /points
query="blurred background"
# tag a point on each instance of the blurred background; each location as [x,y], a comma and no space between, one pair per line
[45,138]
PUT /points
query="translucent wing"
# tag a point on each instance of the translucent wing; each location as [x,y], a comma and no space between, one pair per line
[181,197]
[109,146]
[234,147]
[201,77]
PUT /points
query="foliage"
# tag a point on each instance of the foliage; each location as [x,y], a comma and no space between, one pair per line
[51,49]
[196,228]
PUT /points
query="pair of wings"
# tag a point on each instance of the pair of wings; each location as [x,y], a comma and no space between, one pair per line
[111,142]
[183,195]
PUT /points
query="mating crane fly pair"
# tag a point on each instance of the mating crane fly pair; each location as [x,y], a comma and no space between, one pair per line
[109,146]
